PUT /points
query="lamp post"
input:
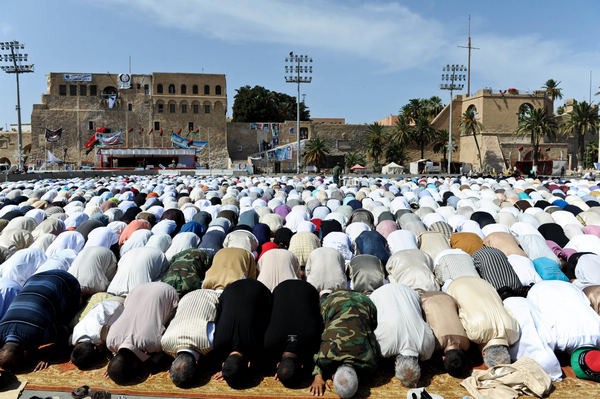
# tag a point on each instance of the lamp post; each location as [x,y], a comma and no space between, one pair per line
[11,55]
[298,71]
[451,74]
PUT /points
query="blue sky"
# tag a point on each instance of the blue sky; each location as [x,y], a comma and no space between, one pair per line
[370,57]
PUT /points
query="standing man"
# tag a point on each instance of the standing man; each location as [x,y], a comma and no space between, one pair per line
[242,318]
[348,343]
[294,332]
[337,172]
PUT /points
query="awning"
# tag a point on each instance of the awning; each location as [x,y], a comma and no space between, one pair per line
[147,152]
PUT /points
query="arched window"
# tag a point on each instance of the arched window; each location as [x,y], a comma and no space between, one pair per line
[195,89]
[523,110]
[160,107]
[184,107]
[171,89]
[195,107]
[183,89]
[218,90]
[206,107]
[159,89]
[172,107]
[206,89]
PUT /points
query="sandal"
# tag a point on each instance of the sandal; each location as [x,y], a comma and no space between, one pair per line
[81,392]
[101,395]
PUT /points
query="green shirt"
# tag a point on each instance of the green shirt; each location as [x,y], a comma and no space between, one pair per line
[337,171]
[350,319]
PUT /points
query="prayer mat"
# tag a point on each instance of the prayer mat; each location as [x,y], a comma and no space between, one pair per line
[65,377]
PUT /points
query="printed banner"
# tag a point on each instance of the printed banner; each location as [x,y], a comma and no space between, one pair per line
[109,138]
[52,136]
[183,142]
[77,77]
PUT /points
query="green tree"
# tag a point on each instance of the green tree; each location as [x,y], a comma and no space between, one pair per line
[257,104]
[536,123]
[440,145]
[435,105]
[552,89]
[315,152]
[416,122]
[353,158]
[469,125]
[375,144]
[582,119]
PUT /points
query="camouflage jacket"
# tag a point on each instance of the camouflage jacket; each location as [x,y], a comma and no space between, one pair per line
[187,271]
[350,319]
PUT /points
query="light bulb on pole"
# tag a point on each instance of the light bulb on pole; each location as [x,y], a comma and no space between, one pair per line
[451,74]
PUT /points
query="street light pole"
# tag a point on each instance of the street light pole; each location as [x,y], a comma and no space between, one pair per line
[301,66]
[15,58]
[452,74]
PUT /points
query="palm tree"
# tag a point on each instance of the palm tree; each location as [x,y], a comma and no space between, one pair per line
[435,105]
[469,125]
[375,143]
[552,89]
[582,119]
[315,152]
[537,123]
[353,158]
[440,144]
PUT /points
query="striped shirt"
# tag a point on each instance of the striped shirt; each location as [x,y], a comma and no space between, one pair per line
[188,329]
[452,264]
[493,266]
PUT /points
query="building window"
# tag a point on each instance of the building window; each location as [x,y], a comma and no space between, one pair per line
[161,108]
[72,90]
[183,89]
[146,89]
[62,90]
[171,89]
[91,125]
[206,89]
[83,90]
[159,89]
[191,126]
[156,125]
[130,107]
[93,90]
[207,108]
[139,86]
[196,108]
[292,165]
[195,89]
[184,108]
[218,90]
[172,108]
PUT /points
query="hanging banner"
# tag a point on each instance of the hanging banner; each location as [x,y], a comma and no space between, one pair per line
[77,77]
[52,136]
[109,138]
[51,159]
[182,142]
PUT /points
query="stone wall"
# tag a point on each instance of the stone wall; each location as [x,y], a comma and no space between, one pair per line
[9,147]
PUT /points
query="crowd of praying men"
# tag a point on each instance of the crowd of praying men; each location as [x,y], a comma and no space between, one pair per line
[299,276]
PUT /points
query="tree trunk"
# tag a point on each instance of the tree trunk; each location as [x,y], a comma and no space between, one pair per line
[581,148]
[478,151]
[422,149]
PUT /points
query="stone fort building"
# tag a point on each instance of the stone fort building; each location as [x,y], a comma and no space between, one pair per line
[140,108]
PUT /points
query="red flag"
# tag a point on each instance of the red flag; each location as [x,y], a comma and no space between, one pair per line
[196,131]
[547,148]
[141,131]
[150,132]
[179,131]
[130,129]
[101,130]
[91,141]
[190,142]
[520,148]
[160,133]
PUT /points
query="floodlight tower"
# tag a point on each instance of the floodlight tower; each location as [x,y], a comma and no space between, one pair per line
[451,74]
[10,54]
[298,71]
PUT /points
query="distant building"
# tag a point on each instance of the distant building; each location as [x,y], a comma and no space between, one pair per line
[330,121]
[139,106]
[391,120]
